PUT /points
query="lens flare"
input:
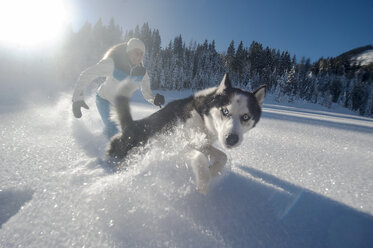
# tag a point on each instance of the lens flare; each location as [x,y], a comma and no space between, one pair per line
[32,23]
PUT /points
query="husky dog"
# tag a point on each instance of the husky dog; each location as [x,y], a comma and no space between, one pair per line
[223,113]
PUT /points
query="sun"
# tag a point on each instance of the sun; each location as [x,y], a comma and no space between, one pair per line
[32,22]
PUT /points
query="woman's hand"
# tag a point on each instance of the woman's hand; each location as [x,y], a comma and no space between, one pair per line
[77,108]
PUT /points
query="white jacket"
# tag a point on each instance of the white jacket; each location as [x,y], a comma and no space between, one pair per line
[113,84]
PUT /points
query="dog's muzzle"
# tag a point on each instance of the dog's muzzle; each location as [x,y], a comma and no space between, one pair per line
[232,139]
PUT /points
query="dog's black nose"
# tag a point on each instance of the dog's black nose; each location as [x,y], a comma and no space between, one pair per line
[232,139]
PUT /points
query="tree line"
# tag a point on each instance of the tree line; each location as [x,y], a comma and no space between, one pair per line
[197,66]
[191,65]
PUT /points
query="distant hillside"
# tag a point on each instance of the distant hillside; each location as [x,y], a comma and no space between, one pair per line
[361,57]
[364,59]
[358,60]
[353,54]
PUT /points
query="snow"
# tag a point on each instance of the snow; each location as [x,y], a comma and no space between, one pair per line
[301,178]
[365,58]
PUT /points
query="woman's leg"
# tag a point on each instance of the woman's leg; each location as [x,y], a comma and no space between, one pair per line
[103,107]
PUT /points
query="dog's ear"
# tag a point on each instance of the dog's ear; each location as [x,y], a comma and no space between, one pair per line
[260,93]
[225,83]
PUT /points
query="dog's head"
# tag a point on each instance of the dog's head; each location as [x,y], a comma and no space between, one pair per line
[231,112]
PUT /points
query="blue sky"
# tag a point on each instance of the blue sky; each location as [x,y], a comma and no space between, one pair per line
[304,28]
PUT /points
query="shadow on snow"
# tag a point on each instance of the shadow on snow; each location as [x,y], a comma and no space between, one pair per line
[11,201]
[270,212]
[295,108]
[319,122]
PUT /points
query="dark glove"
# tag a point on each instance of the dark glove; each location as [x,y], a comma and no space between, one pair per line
[158,100]
[76,108]
[138,71]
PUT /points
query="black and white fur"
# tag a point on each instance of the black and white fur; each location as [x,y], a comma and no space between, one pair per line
[223,113]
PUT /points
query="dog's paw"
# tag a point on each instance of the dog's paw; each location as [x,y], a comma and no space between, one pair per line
[202,173]
[203,188]
[218,160]
[203,178]
[216,169]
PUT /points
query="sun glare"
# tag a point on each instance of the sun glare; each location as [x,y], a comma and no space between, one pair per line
[32,23]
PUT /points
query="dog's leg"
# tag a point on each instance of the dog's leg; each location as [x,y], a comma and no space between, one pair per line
[219,159]
[122,104]
[117,148]
[199,163]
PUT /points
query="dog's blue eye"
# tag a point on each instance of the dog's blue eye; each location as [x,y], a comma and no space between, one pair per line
[225,111]
[245,117]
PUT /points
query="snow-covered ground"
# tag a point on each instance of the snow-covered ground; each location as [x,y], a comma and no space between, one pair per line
[301,178]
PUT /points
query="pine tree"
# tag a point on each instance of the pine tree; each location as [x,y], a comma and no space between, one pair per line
[178,48]
[368,111]
[229,58]
[290,88]
[82,47]
[137,33]
[98,33]
[239,59]
[280,92]
[359,97]
[285,63]
[113,34]
[146,37]
[156,43]
[335,88]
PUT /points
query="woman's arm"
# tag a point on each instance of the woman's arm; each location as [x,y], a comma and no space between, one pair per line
[146,90]
[103,68]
